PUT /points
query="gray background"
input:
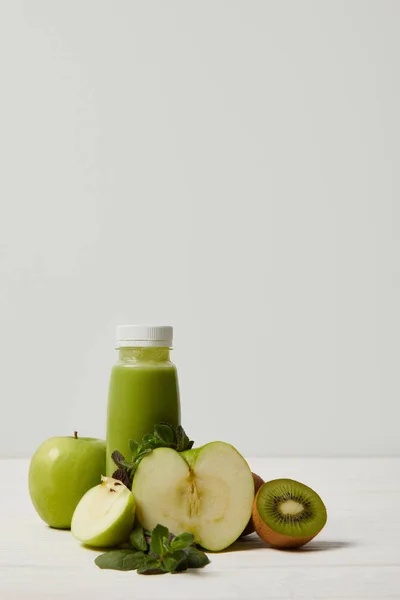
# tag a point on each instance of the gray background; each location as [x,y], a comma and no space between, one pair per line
[230,168]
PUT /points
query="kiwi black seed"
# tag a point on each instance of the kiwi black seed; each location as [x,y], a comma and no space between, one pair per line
[287,513]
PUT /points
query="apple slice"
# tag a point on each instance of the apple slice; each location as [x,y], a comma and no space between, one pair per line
[207,491]
[104,516]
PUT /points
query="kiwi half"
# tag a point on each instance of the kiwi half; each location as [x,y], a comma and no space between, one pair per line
[288,514]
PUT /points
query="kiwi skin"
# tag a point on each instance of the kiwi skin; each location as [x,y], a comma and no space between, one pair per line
[250,528]
[275,539]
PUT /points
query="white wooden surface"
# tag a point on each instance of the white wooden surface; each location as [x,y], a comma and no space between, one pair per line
[357,556]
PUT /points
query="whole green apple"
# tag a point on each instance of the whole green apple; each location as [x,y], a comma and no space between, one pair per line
[62,470]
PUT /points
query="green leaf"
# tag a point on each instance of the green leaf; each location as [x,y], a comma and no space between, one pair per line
[148,440]
[183,442]
[122,476]
[176,562]
[182,565]
[170,563]
[166,546]
[127,465]
[151,566]
[120,560]
[133,445]
[196,558]
[138,540]
[118,458]
[184,540]
[166,433]
[155,442]
[159,534]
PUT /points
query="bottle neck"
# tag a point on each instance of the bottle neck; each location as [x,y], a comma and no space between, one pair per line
[141,354]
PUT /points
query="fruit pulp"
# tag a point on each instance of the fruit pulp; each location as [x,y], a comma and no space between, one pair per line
[143,392]
[207,491]
[105,515]
[291,508]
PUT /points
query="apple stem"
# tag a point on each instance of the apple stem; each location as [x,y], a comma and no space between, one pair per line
[76,435]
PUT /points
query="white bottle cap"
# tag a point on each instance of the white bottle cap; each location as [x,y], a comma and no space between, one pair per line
[144,336]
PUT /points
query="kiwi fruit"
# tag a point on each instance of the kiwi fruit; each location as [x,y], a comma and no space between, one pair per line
[258,481]
[287,514]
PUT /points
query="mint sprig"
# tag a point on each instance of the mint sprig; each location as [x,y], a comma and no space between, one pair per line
[155,552]
[164,436]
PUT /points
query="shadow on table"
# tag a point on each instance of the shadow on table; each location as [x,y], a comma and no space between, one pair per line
[254,543]
[323,546]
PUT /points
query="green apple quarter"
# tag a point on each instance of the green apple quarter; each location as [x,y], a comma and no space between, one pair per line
[207,491]
[104,516]
[61,471]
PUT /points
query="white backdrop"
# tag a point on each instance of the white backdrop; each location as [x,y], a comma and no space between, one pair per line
[230,168]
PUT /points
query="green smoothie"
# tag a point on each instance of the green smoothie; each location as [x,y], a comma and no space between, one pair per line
[143,391]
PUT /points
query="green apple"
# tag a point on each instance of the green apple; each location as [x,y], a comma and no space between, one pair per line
[104,516]
[61,471]
[207,491]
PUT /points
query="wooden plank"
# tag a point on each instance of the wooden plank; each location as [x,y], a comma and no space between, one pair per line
[356,556]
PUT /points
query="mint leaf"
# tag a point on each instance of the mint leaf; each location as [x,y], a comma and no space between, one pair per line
[183,442]
[148,440]
[133,445]
[165,433]
[151,566]
[158,536]
[182,565]
[123,473]
[184,540]
[120,560]
[118,458]
[122,476]
[196,558]
[166,546]
[169,564]
[155,442]
[176,562]
[138,540]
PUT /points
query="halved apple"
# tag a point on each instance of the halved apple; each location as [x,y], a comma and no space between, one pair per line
[208,491]
[105,514]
